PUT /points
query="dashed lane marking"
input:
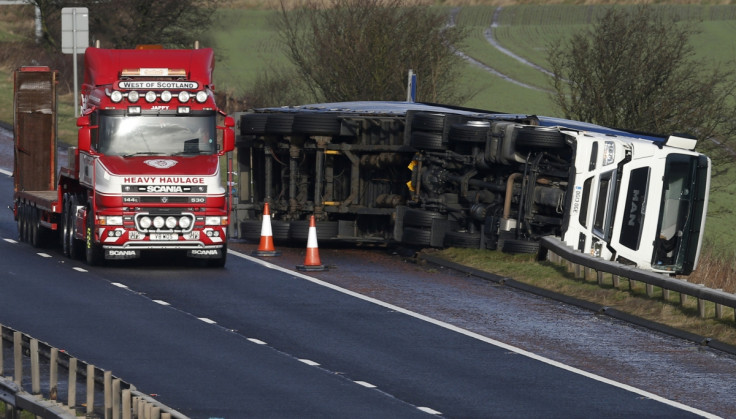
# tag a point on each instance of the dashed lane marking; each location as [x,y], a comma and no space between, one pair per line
[257,341]
[309,362]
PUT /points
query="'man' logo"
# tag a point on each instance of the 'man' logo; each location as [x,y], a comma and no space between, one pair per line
[164,189]
[633,210]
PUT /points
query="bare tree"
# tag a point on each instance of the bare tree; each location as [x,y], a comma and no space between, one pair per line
[636,69]
[363,49]
[125,24]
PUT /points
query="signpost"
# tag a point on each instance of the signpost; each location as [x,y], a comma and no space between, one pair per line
[74,39]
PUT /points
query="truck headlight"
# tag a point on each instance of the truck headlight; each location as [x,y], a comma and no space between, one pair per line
[110,220]
[185,222]
[215,221]
[144,222]
[609,153]
[170,222]
[158,222]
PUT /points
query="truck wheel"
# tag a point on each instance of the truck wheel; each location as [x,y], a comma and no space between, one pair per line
[219,262]
[417,236]
[470,133]
[424,140]
[420,218]
[520,246]
[74,245]
[35,227]
[65,227]
[530,137]
[253,124]
[279,123]
[462,239]
[327,124]
[428,121]
[93,253]
[251,229]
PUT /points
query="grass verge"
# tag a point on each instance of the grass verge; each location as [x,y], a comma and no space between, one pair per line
[629,297]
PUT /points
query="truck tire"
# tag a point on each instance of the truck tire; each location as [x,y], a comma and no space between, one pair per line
[251,230]
[520,246]
[462,239]
[93,251]
[74,245]
[420,218]
[417,236]
[424,140]
[253,124]
[428,121]
[469,133]
[280,123]
[35,227]
[531,137]
[327,124]
[219,262]
[325,230]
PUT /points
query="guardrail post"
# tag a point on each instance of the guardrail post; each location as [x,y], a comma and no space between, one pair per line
[165,415]
[72,384]
[650,290]
[615,280]
[577,271]
[127,405]
[90,388]
[35,369]
[586,273]
[116,398]
[155,412]
[107,387]
[18,357]
[2,356]
[701,305]
[53,373]
[665,294]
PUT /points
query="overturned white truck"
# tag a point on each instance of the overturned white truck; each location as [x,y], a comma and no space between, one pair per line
[432,175]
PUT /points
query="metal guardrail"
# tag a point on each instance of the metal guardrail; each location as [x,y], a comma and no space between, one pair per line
[583,265]
[106,396]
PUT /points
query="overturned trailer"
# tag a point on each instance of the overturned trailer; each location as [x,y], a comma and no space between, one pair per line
[431,175]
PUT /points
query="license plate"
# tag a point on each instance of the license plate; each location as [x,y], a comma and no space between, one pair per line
[164,236]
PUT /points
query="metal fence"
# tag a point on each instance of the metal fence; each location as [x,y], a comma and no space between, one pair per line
[587,266]
[50,383]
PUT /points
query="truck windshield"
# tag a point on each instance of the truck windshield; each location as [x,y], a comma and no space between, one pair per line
[682,201]
[165,135]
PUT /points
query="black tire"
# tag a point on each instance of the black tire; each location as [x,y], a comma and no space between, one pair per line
[35,227]
[520,246]
[65,227]
[462,239]
[253,124]
[327,124]
[23,226]
[417,236]
[279,123]
[428,121]
[93,251]
[420,218]
[281,230]
[75,246]
[540,138]
[325,230]
[219,262]
[251,230]
[469,133]
[424,140]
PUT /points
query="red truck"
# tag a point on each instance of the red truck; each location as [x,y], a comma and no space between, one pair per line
[145,174]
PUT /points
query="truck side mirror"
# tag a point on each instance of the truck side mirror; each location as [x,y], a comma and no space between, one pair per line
[228,135]
[84,136]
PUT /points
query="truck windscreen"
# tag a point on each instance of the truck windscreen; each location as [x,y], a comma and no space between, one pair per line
[164,135]
[679,199]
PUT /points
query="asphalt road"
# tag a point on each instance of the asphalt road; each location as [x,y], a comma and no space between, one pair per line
[255,340]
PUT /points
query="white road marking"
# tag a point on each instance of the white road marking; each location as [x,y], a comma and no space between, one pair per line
[309,362]
[365,384]
[11,241]
[44,255]
[6,173]
[77,268]
[163,303]
[119,285]
[429,410]
[478,336]
[206,320]
[257,341]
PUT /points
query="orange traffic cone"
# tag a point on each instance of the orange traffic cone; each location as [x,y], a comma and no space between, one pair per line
[265,247]
[311,260]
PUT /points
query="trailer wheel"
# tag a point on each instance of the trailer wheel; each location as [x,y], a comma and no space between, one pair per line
[325,230]
[251,229]
[421,218]
[35,227]
[428,121]
[462,239]
[253,124]
[23,222]
[417,236]
[327,124]
[280,123]
[424,140]
[520,246]
[530,137]
[472,132]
